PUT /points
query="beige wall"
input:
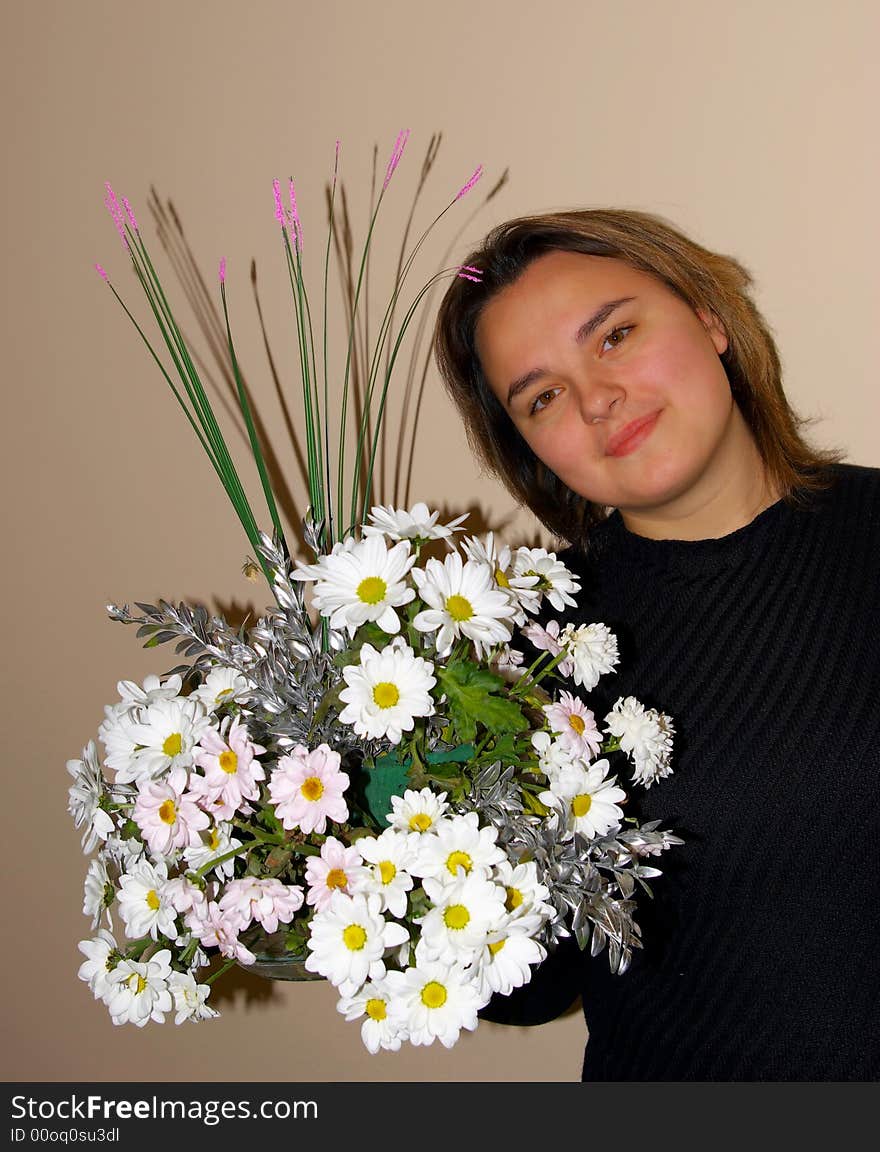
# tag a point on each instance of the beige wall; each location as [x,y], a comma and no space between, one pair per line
[750,124]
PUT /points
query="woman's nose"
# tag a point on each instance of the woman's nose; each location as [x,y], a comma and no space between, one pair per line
[597,398]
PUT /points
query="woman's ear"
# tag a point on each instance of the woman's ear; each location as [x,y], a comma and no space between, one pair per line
[715,328]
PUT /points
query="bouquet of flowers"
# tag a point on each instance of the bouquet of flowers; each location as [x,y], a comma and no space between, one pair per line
[370,784]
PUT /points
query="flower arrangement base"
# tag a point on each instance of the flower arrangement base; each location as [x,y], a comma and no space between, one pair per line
[274,962]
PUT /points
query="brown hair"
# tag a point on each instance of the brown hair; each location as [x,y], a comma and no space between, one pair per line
[703,279]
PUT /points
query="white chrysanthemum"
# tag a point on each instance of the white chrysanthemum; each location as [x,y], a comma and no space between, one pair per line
[348,940]
[458,845]
[138,991]
[555,581]
[102,955]
[215,842]
[434,1001]
[553,755]
[98,892]
[506,958]
[359,581]
[133,695]
[462,916]
[462,600]
[143,902]
[385,870]
[387,691]
[165,734]
[189,998]
[417,812]
[86,796]
[118,744]
[124,851]
[378,1029]
[645,735]
[589,800]
[591,650]
[525,896]
[522,591]
[417,524]
[222,686]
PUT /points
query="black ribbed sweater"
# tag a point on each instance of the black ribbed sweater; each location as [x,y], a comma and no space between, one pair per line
[761,956]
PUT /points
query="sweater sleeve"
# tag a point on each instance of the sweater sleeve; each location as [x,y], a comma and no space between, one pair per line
[553,989]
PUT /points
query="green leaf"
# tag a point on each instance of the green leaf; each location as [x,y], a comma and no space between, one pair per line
[388,777]
[469,692]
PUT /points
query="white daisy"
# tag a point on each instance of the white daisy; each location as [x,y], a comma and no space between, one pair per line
[133,695]
[645,735]
[98,892]
[417,812]
[86,798]
[189,998]
[143,903]
[118,742]
[588,799]
[222,686]
[506,958]
[462,916]
[416,524]
[525,896]
[165,734]
[521,590]
[138,991]
[378,1029]
[348,940]
[553,755]
[102,955]
[360,581]
[555,581]
[575,725]
[387,859]
[214,842]
[462,600]
[434,1001]
[457,846]
[591,650]
[387,691]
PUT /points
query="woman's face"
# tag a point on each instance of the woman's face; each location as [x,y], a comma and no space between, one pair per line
[613,381]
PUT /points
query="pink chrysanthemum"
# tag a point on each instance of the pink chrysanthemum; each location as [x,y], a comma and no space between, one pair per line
[269,901]
[168,815]
[219,928]
[307,788]
[231,772]
[575,725]
[330,872]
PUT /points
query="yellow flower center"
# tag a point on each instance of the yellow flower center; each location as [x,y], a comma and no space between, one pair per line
[456,917]
[220,695]
[173,744]
[312,788]
[496,947]
[167,812]
[514,899]
[459,608]
[228,761]
[386,694]
[433,995]
[152,899]
[387,871]
[501,579]
[214,839]
[421,822]
[136,983]
[376,1009]
[577,723]
[372,590]
[336,878]
[354,937]
[456,860]
[581,804]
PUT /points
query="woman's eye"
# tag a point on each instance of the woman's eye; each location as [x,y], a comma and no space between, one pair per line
[617,336]
[542,400]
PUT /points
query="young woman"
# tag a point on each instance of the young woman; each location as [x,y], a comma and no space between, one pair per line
[619,380]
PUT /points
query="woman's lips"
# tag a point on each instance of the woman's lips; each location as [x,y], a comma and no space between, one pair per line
[631,436]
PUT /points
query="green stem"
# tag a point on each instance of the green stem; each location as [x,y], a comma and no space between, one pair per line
[221,971]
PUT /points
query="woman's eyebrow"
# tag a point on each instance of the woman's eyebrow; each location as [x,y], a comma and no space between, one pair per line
[584,332]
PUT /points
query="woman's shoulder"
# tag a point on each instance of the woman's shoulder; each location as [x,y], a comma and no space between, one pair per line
[853,498]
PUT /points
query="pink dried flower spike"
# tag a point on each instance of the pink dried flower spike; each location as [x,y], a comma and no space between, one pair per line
[295,226]
[112,205]
[476,176]
[222,269]
[130,215]
[397,152]
[101,272]
[279,210]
